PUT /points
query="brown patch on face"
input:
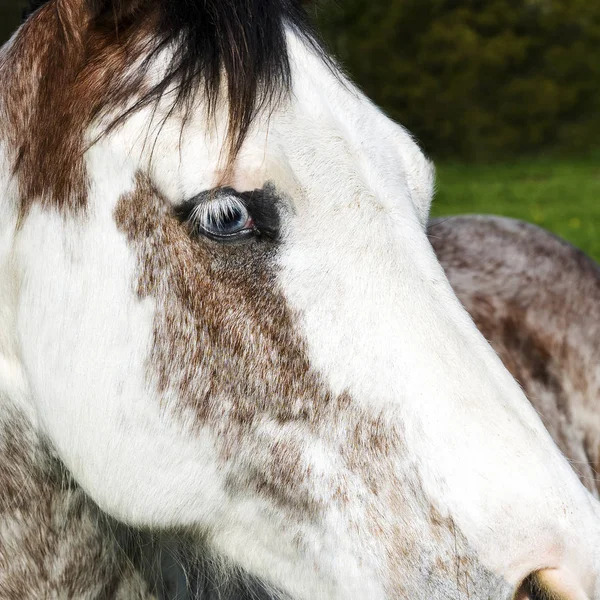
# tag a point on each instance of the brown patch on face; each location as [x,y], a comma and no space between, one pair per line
[225,348]
[64,69]
[219,311]
[225,353]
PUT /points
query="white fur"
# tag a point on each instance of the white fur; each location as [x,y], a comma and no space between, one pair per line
[13,382]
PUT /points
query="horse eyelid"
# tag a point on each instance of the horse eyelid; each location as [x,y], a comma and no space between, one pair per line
[261,204]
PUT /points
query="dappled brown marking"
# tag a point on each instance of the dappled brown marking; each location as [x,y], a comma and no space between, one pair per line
[53,541]
[225,350]
[537,301]
[529,355]
[437,554]
[224,344]
[222,328]
[225,347]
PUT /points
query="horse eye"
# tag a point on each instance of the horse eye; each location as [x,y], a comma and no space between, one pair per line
[224,218]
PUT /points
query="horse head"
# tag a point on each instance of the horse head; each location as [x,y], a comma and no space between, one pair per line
[221,310]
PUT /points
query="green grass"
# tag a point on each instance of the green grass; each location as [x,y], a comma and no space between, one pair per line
[560,195]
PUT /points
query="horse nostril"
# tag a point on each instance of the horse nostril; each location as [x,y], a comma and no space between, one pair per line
[530,590]
[550,584]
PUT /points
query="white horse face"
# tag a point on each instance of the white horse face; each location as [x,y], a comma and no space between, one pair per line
[274,358]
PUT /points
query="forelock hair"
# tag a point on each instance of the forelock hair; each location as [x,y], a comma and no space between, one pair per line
[241,43]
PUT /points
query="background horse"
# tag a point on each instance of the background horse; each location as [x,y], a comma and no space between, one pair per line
[537,300]
[222,320]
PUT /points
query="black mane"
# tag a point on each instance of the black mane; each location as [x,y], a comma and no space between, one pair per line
[32,6]
[240,41]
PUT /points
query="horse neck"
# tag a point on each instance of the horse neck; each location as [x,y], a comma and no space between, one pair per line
[55,541]
[51,536]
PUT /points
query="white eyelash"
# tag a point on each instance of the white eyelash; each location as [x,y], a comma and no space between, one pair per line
[217,210]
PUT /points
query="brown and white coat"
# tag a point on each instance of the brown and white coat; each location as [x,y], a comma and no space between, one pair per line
[303,394]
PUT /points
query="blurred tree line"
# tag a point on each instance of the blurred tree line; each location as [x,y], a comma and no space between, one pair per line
[10,17]
[476,78]
[472,79]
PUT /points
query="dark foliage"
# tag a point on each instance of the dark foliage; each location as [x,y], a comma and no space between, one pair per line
[477,78]
[32,7]
[471,78]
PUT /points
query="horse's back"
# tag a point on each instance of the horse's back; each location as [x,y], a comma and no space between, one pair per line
[536,299]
